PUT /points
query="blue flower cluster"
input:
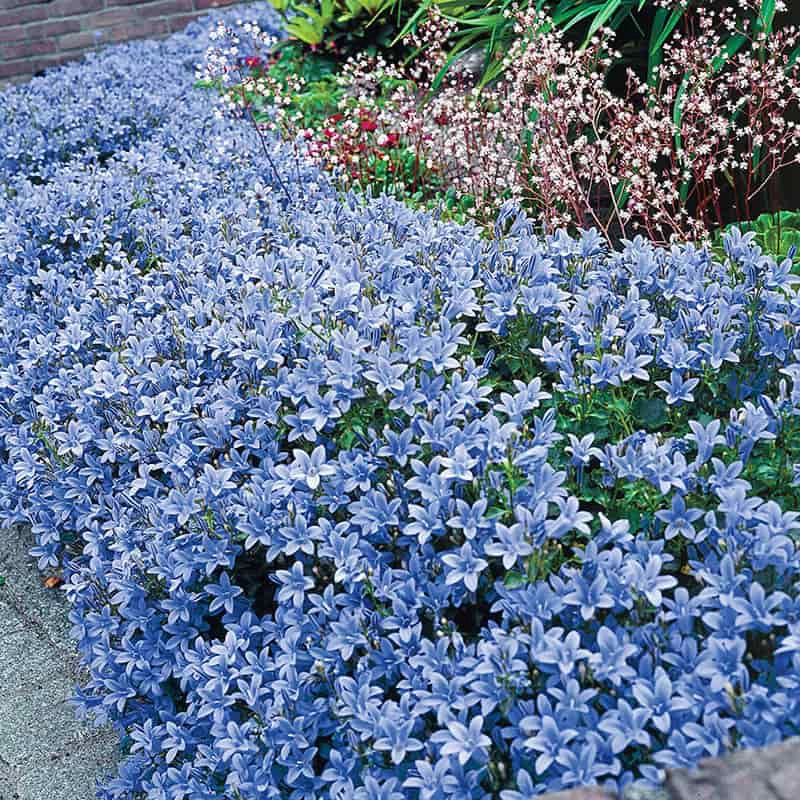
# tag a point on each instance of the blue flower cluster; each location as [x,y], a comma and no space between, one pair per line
[327,528]
[87,110]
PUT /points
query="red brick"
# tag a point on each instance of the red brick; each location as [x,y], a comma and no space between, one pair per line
[180,21]
[36,34]
[12,52]
[44,30]
[13,33]
[144,5]
[66,8]
[16,79]
[166,7]
[78,41]
[21,67]
[121,14]
[41,64]
[200,4]
[114,16]
[19,16]
[137,30]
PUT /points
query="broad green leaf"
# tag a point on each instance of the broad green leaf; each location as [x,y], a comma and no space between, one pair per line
[305,31]
[767,15]
[650,412]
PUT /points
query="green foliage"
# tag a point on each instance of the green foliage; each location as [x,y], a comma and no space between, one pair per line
[391,168]
[776,234]
[642,29]
[354,426]
[321,92]
[611,414]
[344,26]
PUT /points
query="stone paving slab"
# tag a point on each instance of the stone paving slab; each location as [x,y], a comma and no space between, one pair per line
[34,606]
[770,773]
[46,752]
[596,793]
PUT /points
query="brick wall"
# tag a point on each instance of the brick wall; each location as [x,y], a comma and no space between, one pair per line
[36,34]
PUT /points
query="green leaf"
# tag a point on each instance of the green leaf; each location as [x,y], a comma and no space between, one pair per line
[462,45]
[411,25]
[677,116]
[664,25]
[766,16]
[650,412]
[305,31]
[634,517]
[571,16]
[776,233]
[609,8]
[513,580]
[596,494]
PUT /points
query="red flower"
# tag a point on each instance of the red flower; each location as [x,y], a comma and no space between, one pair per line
[368,124]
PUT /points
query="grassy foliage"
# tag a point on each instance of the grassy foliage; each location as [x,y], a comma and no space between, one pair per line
[344,26]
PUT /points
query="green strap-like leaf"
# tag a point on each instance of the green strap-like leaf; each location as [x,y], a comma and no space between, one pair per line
[610,8]
[459,48]
[677,116]
[664,25]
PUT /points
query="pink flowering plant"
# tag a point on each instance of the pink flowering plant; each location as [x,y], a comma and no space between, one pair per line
[344,122]
[664,158]
[699,145]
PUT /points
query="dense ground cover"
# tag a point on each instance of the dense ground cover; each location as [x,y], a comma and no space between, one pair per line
[86,111]
[352,502]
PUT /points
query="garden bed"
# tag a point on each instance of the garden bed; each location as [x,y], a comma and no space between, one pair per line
[351,501]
